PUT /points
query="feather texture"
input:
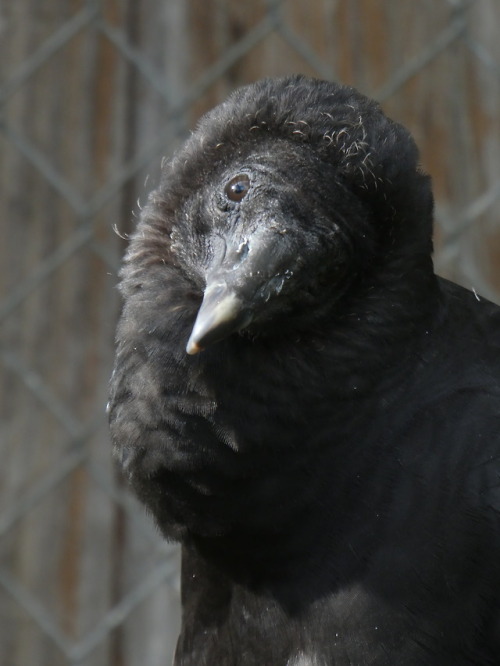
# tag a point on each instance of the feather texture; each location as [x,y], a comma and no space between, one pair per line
[328,453]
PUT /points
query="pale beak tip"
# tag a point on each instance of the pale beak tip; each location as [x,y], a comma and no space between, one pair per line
[217,317]
[193,348]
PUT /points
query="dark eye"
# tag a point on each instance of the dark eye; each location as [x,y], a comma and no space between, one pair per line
[237,187]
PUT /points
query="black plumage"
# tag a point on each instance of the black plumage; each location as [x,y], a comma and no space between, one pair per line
[328,452]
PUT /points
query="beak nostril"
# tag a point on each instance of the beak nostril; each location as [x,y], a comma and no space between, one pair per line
[241,254]
[243,249]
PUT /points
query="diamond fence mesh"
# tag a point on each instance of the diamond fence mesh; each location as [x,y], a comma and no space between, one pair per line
[93,94]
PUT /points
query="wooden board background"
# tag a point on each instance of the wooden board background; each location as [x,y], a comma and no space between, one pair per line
[86,118]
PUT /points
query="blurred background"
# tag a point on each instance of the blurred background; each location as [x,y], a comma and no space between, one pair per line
[93,93]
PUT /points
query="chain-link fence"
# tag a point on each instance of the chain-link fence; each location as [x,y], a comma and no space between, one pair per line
[93,93]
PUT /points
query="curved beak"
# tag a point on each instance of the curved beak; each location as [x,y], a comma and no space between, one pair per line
[222,312]
[251,271]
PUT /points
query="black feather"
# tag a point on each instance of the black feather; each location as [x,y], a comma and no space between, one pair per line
[328,452]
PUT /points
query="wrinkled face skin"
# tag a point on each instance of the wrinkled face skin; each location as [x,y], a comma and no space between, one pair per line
[265,227]
[280,210]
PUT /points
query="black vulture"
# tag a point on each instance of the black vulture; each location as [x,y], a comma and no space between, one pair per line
[301,402]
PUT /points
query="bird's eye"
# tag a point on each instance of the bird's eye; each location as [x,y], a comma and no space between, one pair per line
[237,187]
